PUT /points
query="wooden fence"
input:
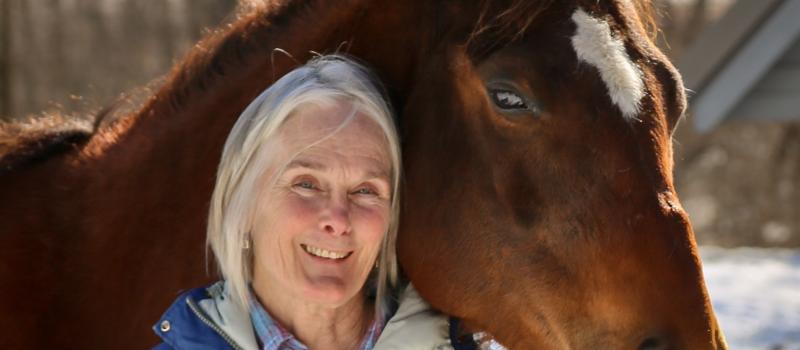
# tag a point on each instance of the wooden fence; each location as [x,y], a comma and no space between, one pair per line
[76,55]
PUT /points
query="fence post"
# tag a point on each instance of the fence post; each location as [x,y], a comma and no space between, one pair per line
[5,60]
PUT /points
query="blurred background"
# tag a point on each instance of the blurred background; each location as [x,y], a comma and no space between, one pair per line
[737,154]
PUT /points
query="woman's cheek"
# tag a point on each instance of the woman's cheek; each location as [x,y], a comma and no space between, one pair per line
[375,220]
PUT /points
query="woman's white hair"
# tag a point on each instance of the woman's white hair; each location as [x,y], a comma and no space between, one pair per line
[246,157]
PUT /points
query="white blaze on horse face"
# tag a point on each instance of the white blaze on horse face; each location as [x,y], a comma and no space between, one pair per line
[594,44]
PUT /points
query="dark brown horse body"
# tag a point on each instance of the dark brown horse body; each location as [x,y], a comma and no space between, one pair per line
[537,208]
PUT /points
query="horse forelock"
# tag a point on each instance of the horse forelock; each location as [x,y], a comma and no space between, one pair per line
[499,24]
[502,22]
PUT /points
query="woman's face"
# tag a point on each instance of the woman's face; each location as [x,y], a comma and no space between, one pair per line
[322,217]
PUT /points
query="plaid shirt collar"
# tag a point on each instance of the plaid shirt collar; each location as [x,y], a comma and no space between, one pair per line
[274,337]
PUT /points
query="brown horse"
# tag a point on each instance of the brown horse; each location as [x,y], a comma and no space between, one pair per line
[539,201]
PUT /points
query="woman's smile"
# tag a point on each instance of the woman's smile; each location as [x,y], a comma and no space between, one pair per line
[326,206]
[325,253]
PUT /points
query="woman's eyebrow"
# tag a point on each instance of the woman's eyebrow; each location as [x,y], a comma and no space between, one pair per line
[305,163]
[381,175]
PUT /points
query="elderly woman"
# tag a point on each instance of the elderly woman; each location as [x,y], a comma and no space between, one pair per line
[302,224]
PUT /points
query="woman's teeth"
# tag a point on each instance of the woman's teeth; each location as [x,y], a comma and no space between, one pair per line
[322,253]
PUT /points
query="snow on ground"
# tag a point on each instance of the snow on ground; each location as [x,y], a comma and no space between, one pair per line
[756,296]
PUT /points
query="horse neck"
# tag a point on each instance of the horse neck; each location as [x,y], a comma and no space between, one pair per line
[183,126]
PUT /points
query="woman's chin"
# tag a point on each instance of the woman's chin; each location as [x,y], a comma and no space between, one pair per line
[327,290]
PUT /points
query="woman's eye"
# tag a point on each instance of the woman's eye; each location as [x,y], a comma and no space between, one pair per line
[508,100]
[306,185]
[365,191]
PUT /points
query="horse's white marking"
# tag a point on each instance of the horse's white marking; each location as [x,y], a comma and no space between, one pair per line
[594,44]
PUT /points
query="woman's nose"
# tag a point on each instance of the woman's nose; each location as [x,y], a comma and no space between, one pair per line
[336,218]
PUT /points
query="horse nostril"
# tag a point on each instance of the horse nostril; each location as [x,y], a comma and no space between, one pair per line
[654,343]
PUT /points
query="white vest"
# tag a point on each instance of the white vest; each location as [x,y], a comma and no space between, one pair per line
[415,326]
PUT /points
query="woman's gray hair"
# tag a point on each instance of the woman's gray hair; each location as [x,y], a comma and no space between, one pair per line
[246,157]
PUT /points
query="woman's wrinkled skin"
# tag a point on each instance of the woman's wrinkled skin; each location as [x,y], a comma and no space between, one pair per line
[328,188]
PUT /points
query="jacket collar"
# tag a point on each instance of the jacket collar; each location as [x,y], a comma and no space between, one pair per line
[207,318]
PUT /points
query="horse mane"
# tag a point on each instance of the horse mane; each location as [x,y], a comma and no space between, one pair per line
[227,47]
[42,136]
[37,138]
[48,134]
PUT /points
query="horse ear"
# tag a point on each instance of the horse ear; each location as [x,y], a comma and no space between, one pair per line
[673,93]
[677,109]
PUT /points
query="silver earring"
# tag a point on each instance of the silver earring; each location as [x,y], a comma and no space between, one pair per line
[246,242]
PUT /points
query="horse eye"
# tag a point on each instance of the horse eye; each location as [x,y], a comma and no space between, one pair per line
[508,100]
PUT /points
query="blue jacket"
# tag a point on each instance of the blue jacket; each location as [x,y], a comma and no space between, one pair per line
[207,318]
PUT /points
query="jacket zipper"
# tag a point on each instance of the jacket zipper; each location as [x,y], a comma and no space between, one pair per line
[202,317]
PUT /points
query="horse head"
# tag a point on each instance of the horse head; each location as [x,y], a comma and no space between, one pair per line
[540,200]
